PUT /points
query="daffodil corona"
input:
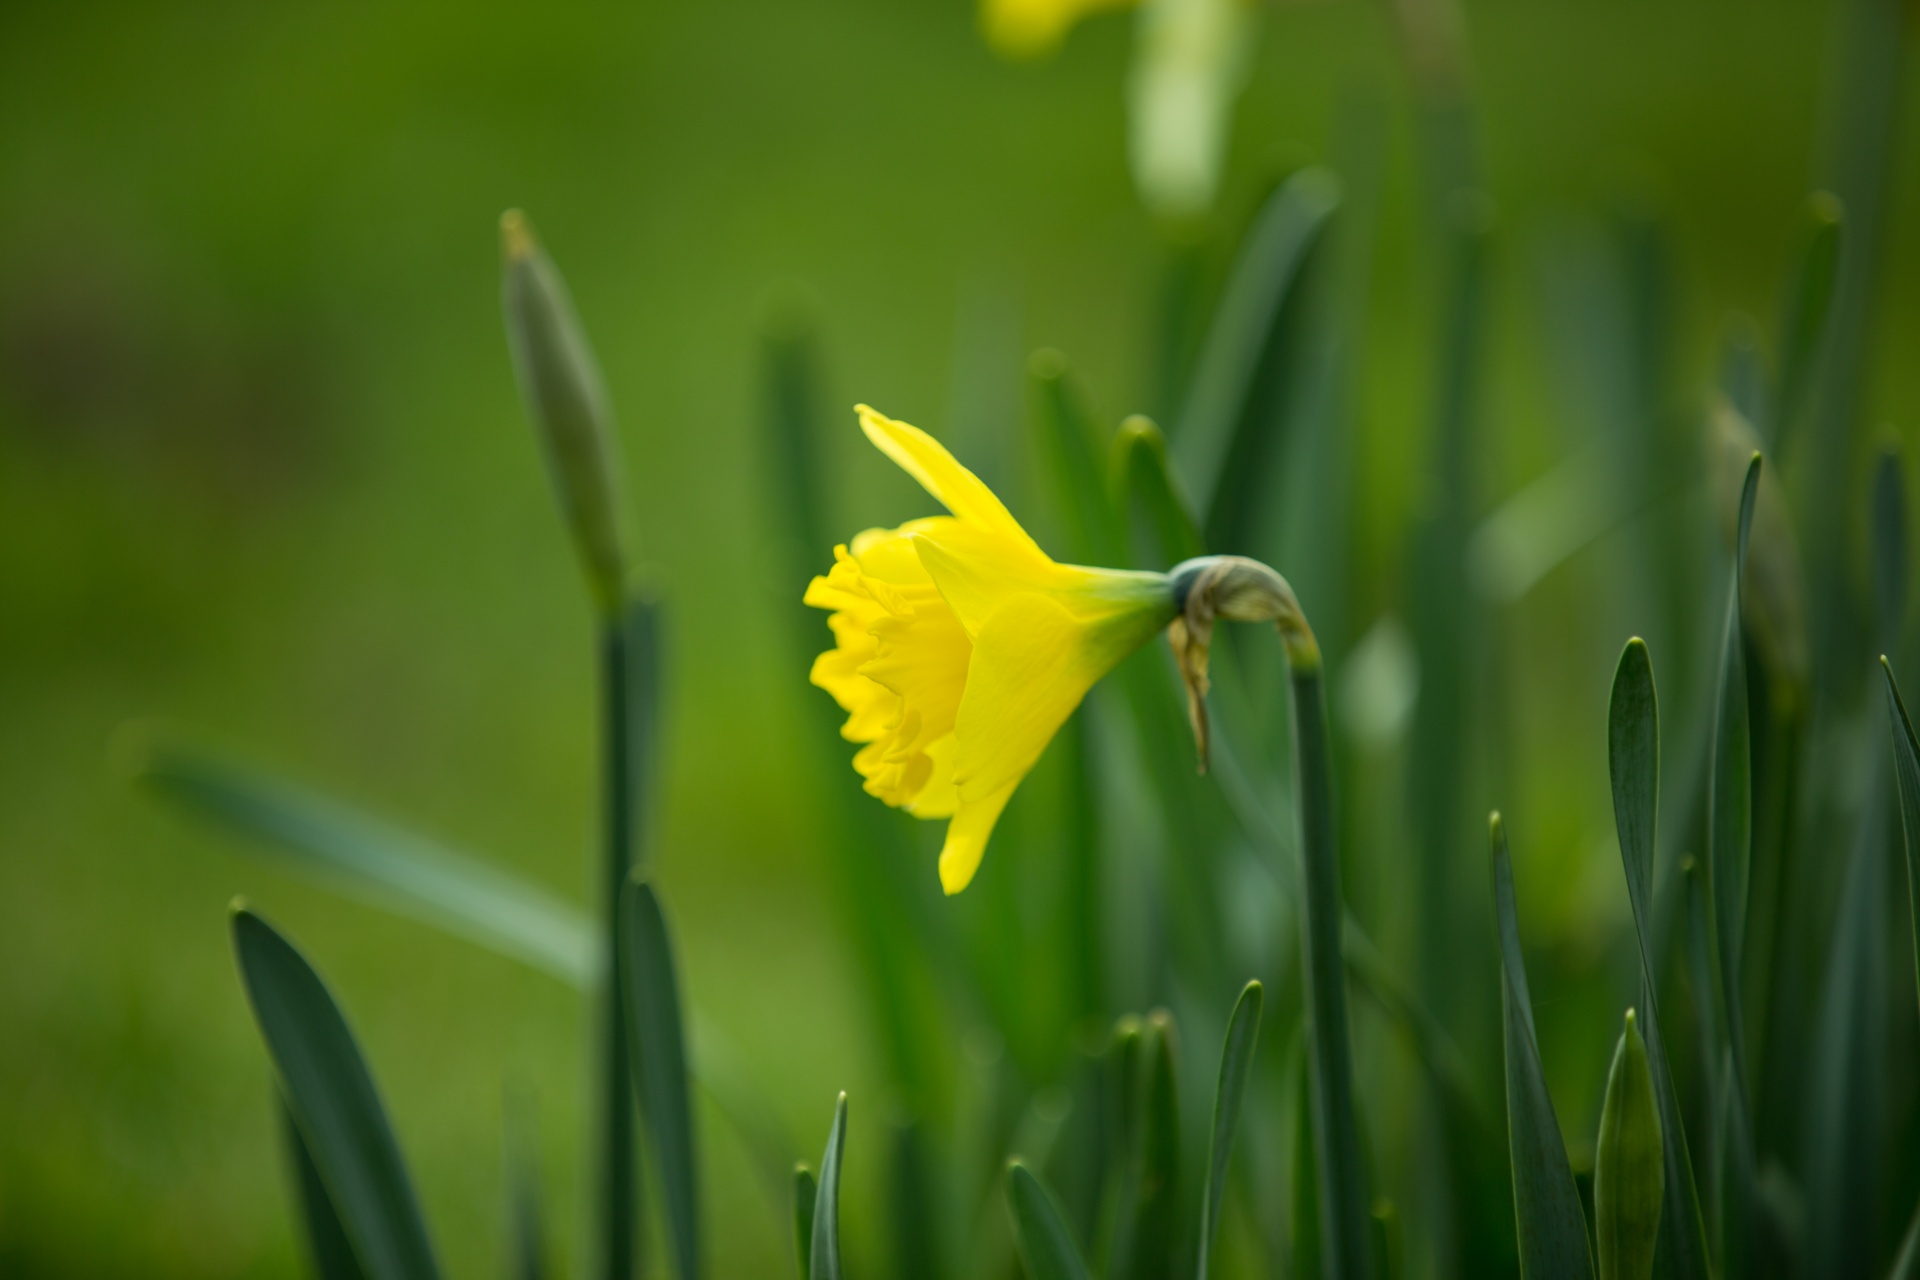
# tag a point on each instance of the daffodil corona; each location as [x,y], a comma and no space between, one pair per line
[962,647]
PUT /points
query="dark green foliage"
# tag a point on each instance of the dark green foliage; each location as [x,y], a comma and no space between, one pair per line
[328,1248]
[1633,763]
[1629,1167]
[1046,1245]
[335,1108]
[1236,1064]
[656,1037]
[805,1192]
[1551,1225]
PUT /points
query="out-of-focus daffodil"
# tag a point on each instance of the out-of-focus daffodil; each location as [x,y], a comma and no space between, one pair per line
[962,647]
[1031,28]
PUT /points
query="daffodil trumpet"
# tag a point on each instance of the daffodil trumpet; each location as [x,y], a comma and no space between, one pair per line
[961,647]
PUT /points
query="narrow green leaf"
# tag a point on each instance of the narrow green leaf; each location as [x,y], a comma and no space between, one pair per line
[1907,1265]
[823,1252]
[328,1248]
[355,853]
[334,1104]
[1906,772]
[655,1032]
[1236,1063]
[1729,866]
[1046,1245]
[567,400]
[1225,409]
[805,1192]
[913,1204]
[1127,1073]
[1846,1103]
[1803,331]
[1146,1251]
[1346,1230]
[526,1210]
[1633,764]
[1149,496]
[1546,1205]
[1075,452]
[1629,1166]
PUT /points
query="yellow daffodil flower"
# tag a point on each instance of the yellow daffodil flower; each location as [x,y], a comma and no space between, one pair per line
[1030,28]
[961,647]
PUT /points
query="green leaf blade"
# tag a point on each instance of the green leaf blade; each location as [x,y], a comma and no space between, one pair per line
[1551,1225]
[657,1035]
[1629,1170]
[348,850]
[1047,1248]
[1223,405]
[333,1101]
[805,1192]
[1236,1064]
[823,1253]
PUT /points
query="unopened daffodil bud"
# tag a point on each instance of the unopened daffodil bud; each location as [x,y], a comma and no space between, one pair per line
[565,397]
[962,647]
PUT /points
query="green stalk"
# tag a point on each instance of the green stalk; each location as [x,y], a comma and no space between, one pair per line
[1346,1225]
[619,1180]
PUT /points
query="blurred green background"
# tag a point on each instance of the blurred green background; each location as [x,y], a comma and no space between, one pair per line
[263,471]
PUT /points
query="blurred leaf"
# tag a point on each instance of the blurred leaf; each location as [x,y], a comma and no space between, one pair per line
[653,1026]
[1236,1063]
[328,1248]
[1633,765]
[1145,1250]
[1479,1182]
[823,1241]
[805,1192]
[1075,451]
[567,400]
[527,1226]
[1730,851]
[1127,1070]
[1546,1204]
[1629,1167]
[910,1195]
[1803,332]
[1346,1235]
[334,1104]
[1225,410]
[1046,1246]
[1846,1102]
[1149,498]
[1906,770]
[1307,1253]
[1907,1265]
[358,854]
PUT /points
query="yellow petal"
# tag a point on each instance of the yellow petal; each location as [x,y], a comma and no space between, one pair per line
[977,571]
[967,838]
[1029,672]
[926,460]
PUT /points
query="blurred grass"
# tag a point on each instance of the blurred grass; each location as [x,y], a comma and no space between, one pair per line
[263,469]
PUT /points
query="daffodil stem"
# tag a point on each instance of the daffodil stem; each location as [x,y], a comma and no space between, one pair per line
[1346,1227]
[622,728]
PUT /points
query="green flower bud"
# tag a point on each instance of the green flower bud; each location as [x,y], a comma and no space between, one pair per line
[567,401]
